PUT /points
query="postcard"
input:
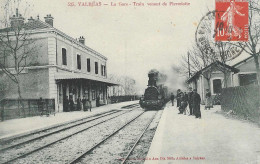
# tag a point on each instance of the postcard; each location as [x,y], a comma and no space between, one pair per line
[130,81]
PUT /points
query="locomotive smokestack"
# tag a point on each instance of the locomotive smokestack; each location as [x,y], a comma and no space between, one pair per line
[152,80]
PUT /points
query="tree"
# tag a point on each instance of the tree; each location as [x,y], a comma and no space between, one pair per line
[198,59]
[252,47]
[208,51]
[222,50]
[3,88]
[127,84]
[16,44]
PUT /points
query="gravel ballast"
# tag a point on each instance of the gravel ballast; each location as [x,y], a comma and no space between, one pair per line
[139,153]
[118,146]
[68,149]
[21,139]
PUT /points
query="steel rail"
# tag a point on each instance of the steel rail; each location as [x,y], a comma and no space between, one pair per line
[53,127]
[130,106]
[137,141]
[49,144]
[77,159]
[57,131]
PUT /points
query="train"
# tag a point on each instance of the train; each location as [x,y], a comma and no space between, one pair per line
[156,95]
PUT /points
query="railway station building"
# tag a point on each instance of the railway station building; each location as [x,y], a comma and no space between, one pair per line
[60,67]
[240,72]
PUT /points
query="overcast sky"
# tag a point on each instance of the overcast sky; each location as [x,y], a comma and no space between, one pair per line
[134,39]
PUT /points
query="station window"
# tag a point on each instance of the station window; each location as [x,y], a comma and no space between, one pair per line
[79,62]
[247,79]
[64,56]
[104,70]
[96,67]
[88,64]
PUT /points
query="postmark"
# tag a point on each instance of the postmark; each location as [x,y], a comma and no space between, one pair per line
[205,39]
[231,20]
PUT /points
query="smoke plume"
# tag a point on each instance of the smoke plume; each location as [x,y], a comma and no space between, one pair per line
[171,78]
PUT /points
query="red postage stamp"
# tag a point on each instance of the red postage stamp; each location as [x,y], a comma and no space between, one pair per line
[231,20]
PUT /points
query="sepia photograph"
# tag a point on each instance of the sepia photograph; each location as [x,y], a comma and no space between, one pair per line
[129,82]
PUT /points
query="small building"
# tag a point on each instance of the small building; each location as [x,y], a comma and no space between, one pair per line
[247,72]
[61,67]
[211,77]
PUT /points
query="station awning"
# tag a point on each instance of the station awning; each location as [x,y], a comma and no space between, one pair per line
[68,76]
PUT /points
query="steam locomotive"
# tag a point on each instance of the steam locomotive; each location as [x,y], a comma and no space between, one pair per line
[155,96]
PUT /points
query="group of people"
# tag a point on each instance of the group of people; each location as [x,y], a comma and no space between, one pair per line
[193,99]
[82,104]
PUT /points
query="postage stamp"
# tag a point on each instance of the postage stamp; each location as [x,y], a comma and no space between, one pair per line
[231,20]
[205,39]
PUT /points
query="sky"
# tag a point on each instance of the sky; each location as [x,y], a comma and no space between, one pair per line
[135,39]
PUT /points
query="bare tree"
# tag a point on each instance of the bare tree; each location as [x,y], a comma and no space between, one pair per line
[17,46]
[222,52]
[252,47]
[208,52]
[4,87]
[126,83]
[199,59]
[196,59]
[129,86]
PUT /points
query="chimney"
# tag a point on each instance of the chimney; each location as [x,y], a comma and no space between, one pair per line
[17,21]
[82,40]
[49,19]
[30,20]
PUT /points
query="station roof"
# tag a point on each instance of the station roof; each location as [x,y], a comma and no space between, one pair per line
[232,69]
[75,76]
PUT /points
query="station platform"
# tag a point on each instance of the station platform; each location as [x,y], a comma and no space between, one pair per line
[16,127]
[213,139]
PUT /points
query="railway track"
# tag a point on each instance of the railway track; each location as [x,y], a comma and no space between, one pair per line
[139,150]
[32,137]
[113,137]
[5,143]
[130,106]
[136,142]
[20,146]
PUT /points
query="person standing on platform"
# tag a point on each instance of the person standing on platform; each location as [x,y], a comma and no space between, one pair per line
[178,98]
[66,104]
[172,99]
[89,105]
[208,104]
[71,104]
[78,104]
[196,103]
[84,103]
[190,100]
[186,96]
[97,101]
[182,103]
